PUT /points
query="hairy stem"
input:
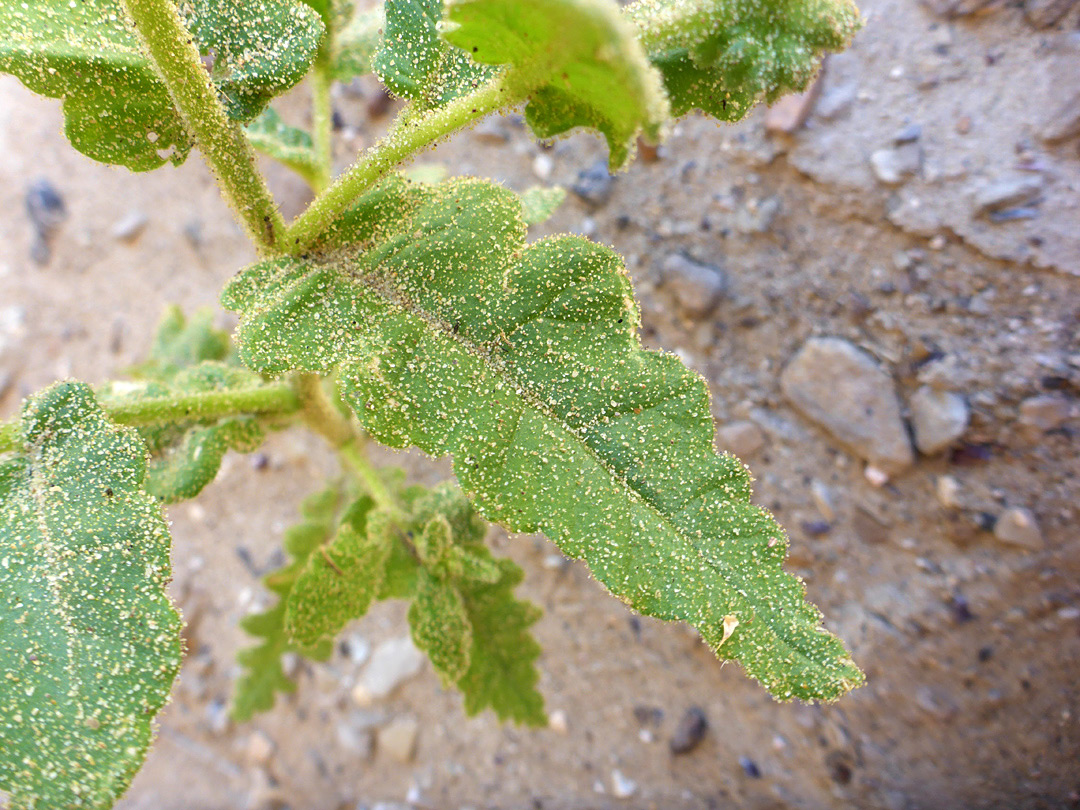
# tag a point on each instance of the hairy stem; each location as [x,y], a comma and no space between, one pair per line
[353,457]
[322,124]
[322,416]
[410,134]
[221,141]
[276,398]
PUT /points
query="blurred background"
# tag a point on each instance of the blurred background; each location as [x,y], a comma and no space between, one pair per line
[887,267]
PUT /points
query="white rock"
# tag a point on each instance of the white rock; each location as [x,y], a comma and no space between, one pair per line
[557,721]
[392,663]
[893,166]
[1044,412]
[621,786]
[543,166]
[260,748]
[398,739]
[130,227]
[698,287]
[743,438]
[822,499]
[938,418]
[841,388]
[948,492]
[1018,527]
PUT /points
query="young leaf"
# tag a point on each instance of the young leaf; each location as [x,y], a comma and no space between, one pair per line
[441,628]
[523,364]
[285,144]
[116,108]
[415,63]
[180,342]
[538,203]
[502,672]
[255,689]
[183,469]
[89,643]
[581,55]
[724,56]
[338,583]
[355,44]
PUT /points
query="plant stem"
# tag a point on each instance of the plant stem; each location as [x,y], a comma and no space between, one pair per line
[276,398]
[221,141]
[322,124]
[410,134]
[321,415]
[354,458]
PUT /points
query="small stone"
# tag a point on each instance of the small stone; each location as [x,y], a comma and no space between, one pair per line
[841,388]
[217,717]
[398,739]
[622,787]
[757,216]
[690,731]
[908,134]
[543,166]
[130,227]
[594,184]
[260,748]
[822,499]
[893,166]
[875,476]
[948,491]
[357,648]
[1044,13]
[749,767]
[938,418]
[742,439]
[1063,122]
[1005,193]
[1018,527]
[698,287]
[790,113]
[836,101]
[951,9]
[557,722]
[392,663]
[491,132]
[45,206]
[1044,412]
[355,740]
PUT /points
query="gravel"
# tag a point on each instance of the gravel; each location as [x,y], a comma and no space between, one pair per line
[392,663]
[1018,527]
[690,731]
[938,419]
[697,287]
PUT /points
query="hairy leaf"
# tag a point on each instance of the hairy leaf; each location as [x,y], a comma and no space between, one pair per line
[724,56]
[355,43]
[264,677]
[338,584]
[539,203]
[441,628]
[583,57]
[523,364]
[180,342]
[116,108]
[89,643]
[285,144]
[414,62]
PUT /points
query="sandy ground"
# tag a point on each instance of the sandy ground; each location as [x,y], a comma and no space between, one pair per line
[971,645]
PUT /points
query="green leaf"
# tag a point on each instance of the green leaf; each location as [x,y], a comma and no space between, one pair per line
[89,643]
[338,583]
[502,672]
[264,677]
[355,44]
[580,60]
[523,364]
[180,342]
[724,56]
[441,628]
[415,63]
[285,144]
[116,108]
[538,203]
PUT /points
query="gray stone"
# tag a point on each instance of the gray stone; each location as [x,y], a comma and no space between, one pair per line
[622,787]
[690,731]
[1044,412]
[757,216]
[938,418]
[1018,527]
[698,287]
[398,739]
[836,101]
[951,9]
[392,663]
[1044,13]
[1005,192]
[743,438]
[490,131]
[594,184]
[130,227]
[841,388]
[1063,122]
[895,165]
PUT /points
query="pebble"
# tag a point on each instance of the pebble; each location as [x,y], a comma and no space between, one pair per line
[822,499]
[594,184]
[840,387]
[1006,192]
[130,227]
[750,768]
[908,134]
[392,663]
[354,740]
[543,166]
[948,491]
[951,9]
[1018,527]
[742,439]
[621,786]
[398,739]
[1044,412]
[260,748]
[357,648]
[893,166]
[217,717]
[557,722]
[491,132]
[938,419]
[1063,122]
[790,113]
[690,731]
[46,210]
[698,287]
[1044,13]
[757,216]
[836,101]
